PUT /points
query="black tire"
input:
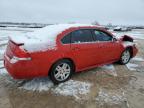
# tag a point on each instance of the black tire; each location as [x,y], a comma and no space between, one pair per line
[128,52]
[54,71]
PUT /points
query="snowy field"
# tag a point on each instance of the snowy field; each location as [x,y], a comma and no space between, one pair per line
[76,88]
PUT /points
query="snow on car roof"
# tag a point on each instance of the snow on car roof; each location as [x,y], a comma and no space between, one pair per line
[45,38]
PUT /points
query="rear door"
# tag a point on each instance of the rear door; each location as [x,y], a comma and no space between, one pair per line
[82,47]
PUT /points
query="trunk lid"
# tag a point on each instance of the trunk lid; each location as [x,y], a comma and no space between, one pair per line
[15,49]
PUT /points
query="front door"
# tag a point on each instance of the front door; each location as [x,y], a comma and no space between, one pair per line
[109,49]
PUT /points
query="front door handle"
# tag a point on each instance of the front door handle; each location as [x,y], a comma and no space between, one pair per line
[75,48]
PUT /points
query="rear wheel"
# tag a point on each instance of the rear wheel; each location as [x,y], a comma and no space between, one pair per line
[61,71]
[125,57]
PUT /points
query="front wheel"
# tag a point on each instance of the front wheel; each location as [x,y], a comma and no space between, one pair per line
[61,71]
[125,57]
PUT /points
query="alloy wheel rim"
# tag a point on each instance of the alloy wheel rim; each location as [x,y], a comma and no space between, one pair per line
[126,56]
[62,72]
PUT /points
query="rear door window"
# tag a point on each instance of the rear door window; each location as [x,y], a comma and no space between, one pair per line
[82,36]
[66,39]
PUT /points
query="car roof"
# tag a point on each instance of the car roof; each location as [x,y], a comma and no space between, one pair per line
[44,37]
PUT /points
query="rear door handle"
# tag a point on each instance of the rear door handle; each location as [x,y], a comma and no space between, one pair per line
[101,46]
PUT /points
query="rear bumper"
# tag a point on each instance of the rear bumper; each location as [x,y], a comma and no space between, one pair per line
[24,69]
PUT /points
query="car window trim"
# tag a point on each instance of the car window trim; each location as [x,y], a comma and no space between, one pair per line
[92,32]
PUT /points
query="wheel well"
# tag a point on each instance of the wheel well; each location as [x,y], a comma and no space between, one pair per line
[70,60]
[131,50]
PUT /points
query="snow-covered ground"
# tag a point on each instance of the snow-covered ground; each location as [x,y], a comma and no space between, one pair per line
[18,29]
[3,71]
[111,97]
[132,66]
[38,84]
[139,59]
[1,64]
[135,64]
[109,69]
[72,88]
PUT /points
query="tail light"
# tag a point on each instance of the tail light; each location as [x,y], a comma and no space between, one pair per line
[16,59]
[20,52]
[16,52]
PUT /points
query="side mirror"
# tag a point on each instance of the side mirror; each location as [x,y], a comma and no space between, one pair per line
[114,39]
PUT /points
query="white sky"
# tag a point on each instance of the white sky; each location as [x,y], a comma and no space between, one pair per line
[82,11]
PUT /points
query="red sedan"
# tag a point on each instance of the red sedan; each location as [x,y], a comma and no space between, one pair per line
[60,50]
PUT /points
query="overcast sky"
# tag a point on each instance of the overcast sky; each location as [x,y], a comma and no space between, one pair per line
[81,11]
